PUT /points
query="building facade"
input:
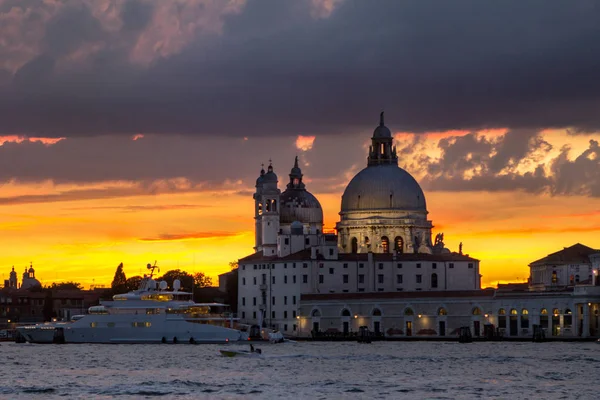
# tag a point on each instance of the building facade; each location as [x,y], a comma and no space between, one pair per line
[382,269]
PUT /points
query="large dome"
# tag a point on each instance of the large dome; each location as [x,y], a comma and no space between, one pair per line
[299,205]
[383,187]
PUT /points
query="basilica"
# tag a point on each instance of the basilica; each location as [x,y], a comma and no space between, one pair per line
[381,270]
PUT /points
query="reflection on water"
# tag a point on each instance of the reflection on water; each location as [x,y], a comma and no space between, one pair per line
[303,370]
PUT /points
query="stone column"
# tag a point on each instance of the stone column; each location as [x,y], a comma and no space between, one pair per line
[586,321]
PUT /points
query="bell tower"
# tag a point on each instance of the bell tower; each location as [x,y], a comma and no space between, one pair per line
[258,210]
[269,202]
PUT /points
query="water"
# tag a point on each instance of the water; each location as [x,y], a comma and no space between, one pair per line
[415,370]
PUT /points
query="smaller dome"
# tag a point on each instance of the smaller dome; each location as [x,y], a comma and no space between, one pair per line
[299,205]
[269,177]
[382,131]
[29,283]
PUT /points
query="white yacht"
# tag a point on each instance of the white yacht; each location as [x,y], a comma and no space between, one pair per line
[151,314]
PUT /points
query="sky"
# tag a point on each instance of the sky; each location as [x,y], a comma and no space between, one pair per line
[133,130]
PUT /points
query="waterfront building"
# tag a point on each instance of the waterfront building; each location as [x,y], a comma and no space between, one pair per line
[382,269]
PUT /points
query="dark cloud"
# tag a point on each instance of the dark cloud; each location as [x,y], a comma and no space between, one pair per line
[273,68]
[189,236]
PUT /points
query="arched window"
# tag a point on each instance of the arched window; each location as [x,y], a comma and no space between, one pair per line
[354,245]
[544,311]
[385,244]
[524,311]
[345,312]
[367,241]
[576,278]
[398,245]
[568,311]
[315,313]
[442,311]
[274,207]
[554,277]
[513,311]
[502,311]
[477,311]
[377,312]
[556,311]
[409,311]
[434,282]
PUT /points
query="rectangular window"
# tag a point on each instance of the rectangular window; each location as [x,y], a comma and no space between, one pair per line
[399,265]
[254,266]
[398,278]
[294,327]
[285,279]
[294,265]
[273,280]
[294,314]
[330,252]
[345,278]
[399,289]
[255,280]
[345,291]
[254,301]
[243,314]
[273,314]
[273,300]
[286,241]
[418,265]
[361,265]
[380,265]
[362,289]
[254,314]
[243,281]
[331,271]
[243,267]
[285,300]
[361,279]
[285,265]
[451,265]
[433,265]
[285,326]
[304,278]
[307,241]
[285,316]
[294,279]
[418,289]
[321,278]
[294,300]
[380,289]
[418,278]
[243,301]
[470,265]
[380,278]
[304,265]
[321,265]
[345,265]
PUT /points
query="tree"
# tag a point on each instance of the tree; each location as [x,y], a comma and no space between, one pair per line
[133,283]
[201,280]
[66,286]
[119,281]
[187,280]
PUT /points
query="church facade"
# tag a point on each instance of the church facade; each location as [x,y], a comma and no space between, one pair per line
[382,269]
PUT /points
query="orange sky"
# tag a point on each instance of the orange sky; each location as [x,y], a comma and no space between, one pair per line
[84,240]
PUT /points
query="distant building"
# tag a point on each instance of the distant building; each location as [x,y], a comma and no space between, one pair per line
[383,271]
[26,302]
